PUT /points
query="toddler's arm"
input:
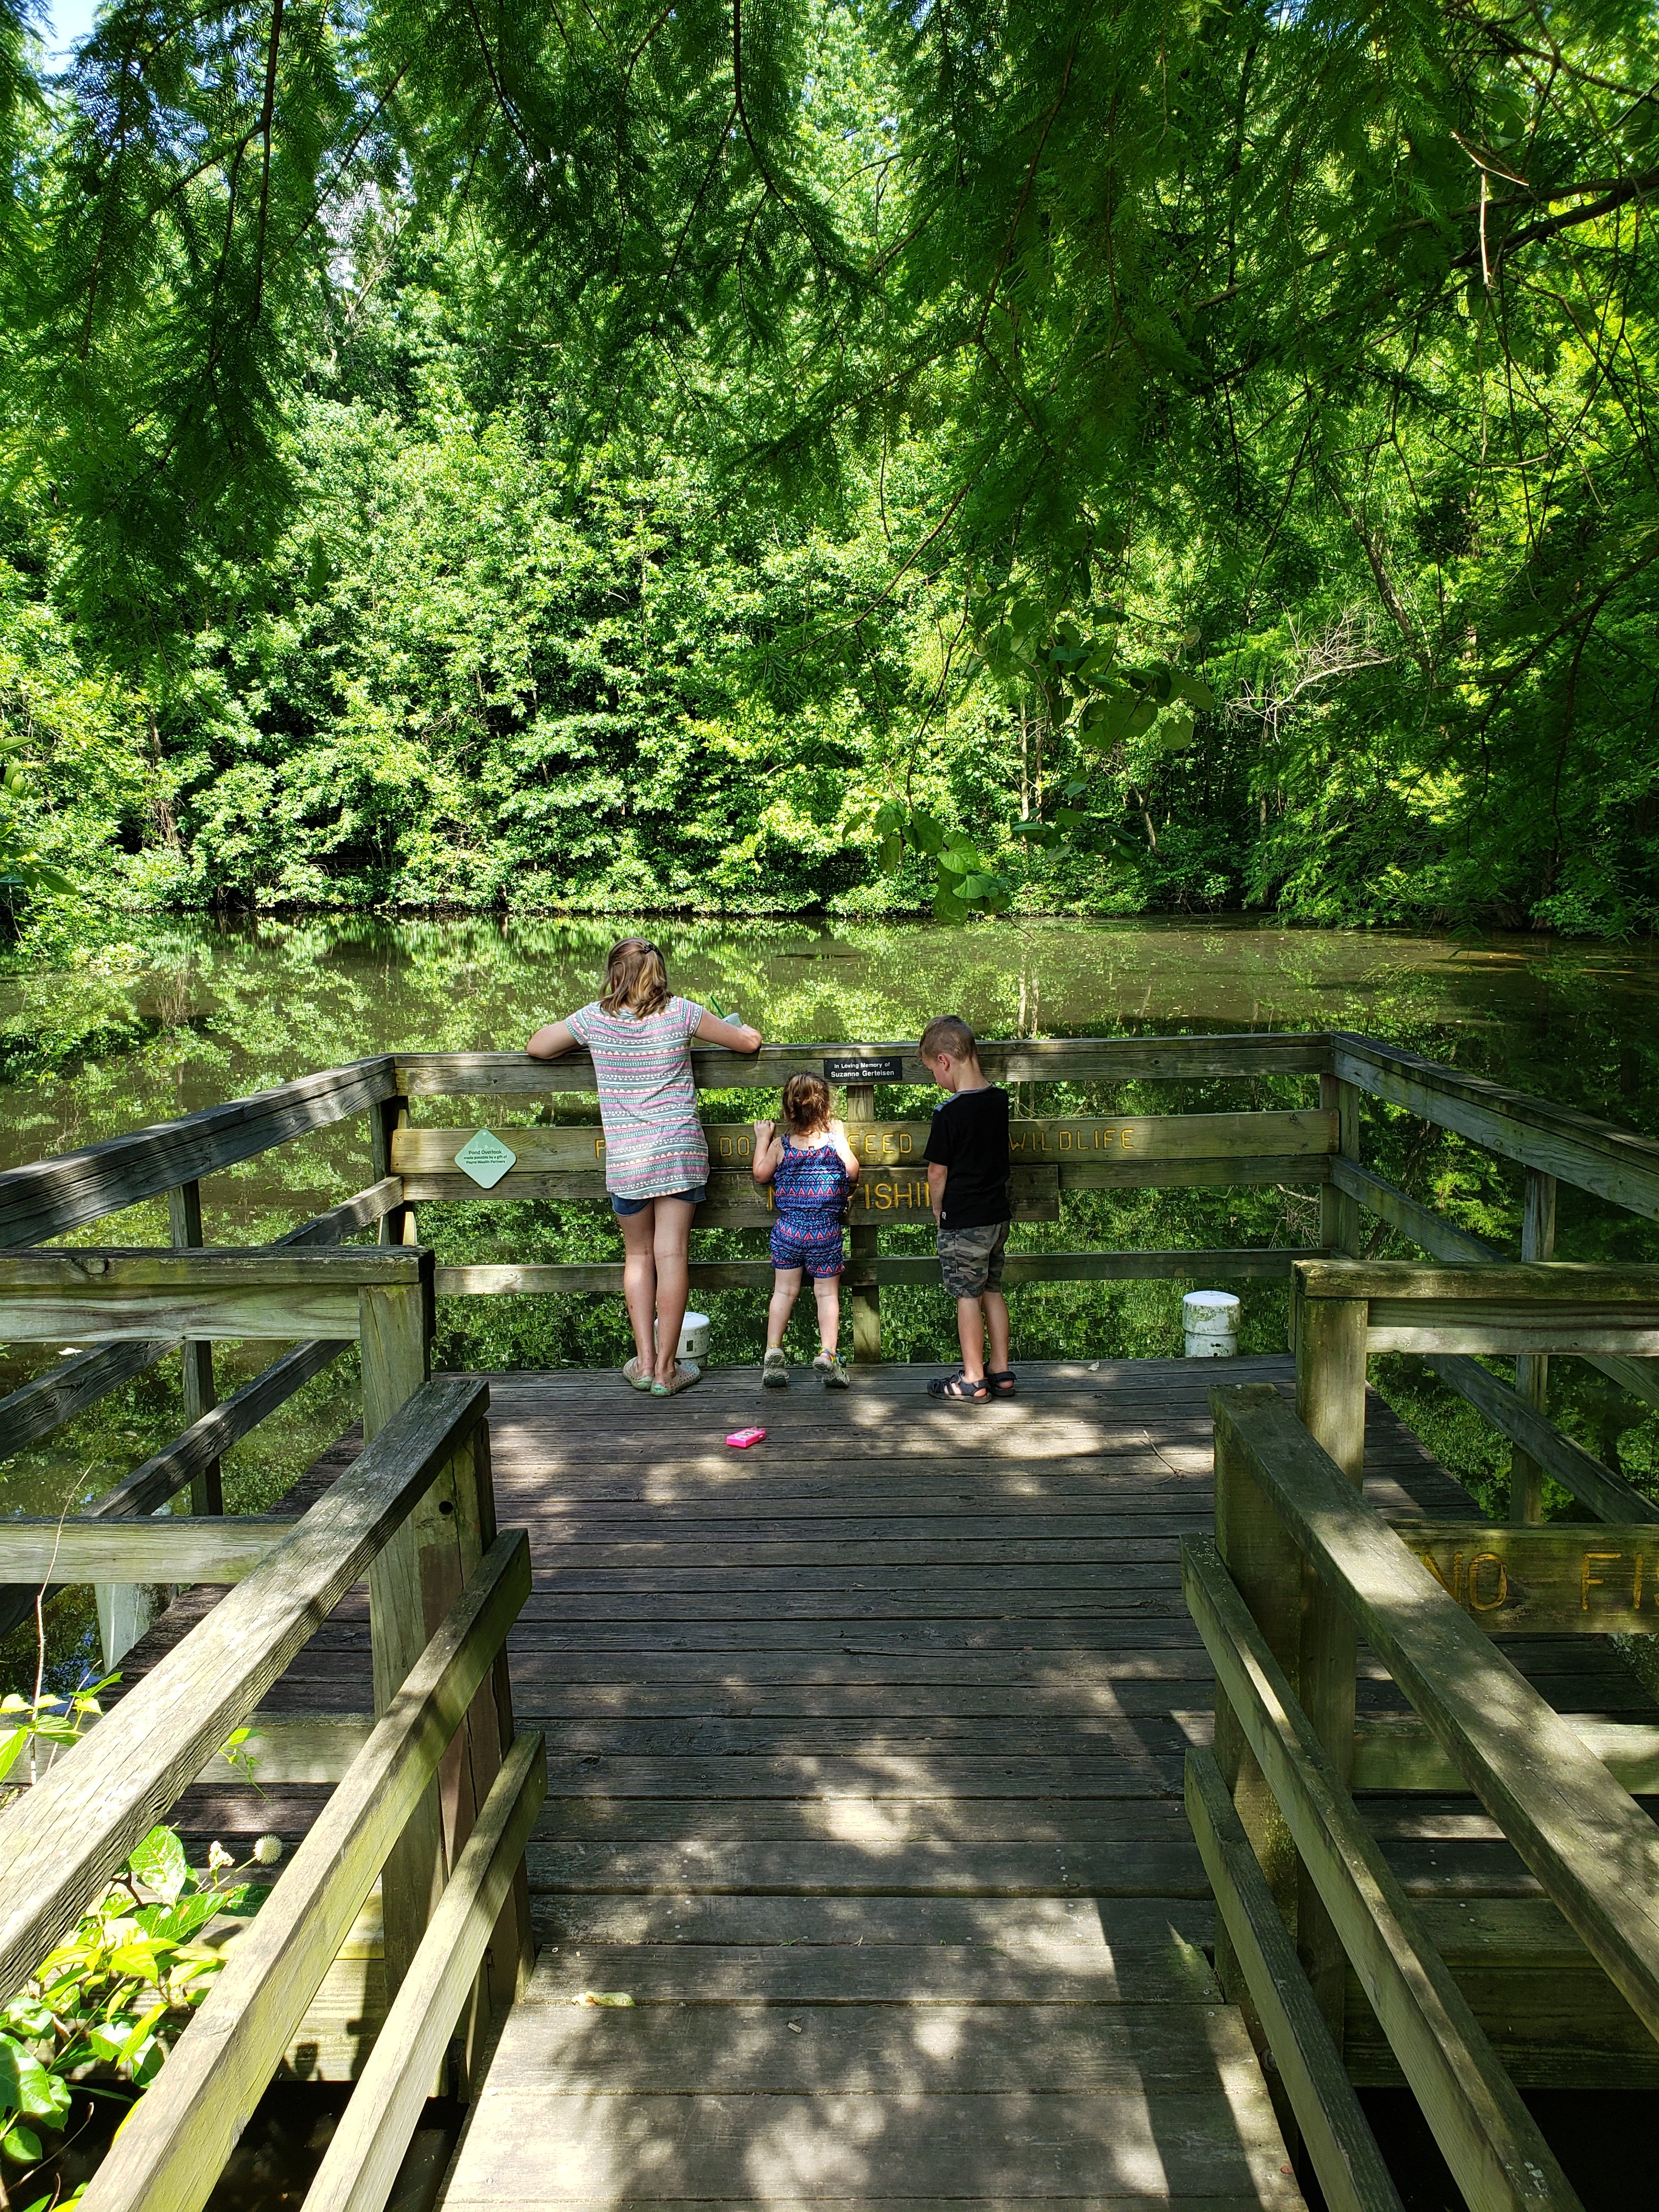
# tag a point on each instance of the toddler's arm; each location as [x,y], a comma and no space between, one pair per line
[848,1157]
[550,1040]
[736,1036]
[767,1152]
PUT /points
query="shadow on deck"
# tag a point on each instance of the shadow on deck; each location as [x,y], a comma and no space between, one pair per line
[865,1756]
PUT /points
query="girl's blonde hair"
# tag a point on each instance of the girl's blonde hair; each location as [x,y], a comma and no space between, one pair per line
[806,1103]
[635,979]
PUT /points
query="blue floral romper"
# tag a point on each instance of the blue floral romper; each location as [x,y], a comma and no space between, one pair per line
[809,1190]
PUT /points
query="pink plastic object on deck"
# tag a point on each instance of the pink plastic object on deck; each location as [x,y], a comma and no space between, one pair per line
[740,1439]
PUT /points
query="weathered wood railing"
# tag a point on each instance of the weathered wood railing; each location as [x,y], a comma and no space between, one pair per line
[1314,1146]
[1300,1568]
[435,1795]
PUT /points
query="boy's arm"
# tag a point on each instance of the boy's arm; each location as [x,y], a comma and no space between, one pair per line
[936,1175]
[552,1039]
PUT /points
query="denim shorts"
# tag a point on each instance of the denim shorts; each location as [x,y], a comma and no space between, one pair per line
[624,1208]
[971,1260]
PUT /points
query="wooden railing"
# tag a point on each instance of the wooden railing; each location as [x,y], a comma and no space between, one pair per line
[1300,1568]
[1316,1145]
[433,1794]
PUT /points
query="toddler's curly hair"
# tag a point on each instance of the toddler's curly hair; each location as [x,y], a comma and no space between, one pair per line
[807,1100]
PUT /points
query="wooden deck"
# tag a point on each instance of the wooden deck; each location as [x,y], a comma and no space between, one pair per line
[865,1755]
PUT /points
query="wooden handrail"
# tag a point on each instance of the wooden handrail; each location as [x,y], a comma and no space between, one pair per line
[1594,1849]
[49,1197]
[253,1294]
[171,2150]
[1007,1060]
[63,1840]
[1491,2142]
[1598,1156]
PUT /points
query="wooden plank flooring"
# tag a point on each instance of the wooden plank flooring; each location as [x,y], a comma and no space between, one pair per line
[864,1774]
[866,1763]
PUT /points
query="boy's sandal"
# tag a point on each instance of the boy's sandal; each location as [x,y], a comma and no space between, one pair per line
[958,1386]
[637,1377]
[1002,1382]
[686,1372]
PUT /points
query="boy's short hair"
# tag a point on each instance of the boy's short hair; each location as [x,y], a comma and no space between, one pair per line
[948,1033]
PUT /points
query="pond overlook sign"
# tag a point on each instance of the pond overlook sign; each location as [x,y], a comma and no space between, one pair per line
[875,1770]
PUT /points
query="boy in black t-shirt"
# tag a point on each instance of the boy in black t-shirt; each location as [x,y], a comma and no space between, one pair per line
[967,1157]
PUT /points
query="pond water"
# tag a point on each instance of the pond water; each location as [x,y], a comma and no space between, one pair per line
[186,1015]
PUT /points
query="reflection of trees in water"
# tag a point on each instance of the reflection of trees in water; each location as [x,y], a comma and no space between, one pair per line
[188,1014]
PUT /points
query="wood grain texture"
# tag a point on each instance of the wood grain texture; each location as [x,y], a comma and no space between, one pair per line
[1024,1060]
[67,1837]
[51,1197]
[419,1153]
[363,2156]
[1485,2133]
[1541,1445]
[1399,1751]
[1266,1263]
[1352,2175]
[261,1295]
[1598,1156]
[1595,1851]
[170,2152]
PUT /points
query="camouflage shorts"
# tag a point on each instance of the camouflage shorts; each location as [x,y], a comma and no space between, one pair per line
[971,1260]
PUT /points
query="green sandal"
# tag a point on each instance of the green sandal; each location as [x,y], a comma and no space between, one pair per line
[635,1376]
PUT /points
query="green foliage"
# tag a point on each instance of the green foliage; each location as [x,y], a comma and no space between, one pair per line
[691,457]
[100,2012]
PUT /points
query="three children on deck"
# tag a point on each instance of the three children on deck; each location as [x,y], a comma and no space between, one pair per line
[639,1035]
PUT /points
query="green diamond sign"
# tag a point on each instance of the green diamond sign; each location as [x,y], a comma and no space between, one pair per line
[485,1158]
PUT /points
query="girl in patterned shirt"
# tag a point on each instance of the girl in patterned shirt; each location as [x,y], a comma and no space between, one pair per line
[656,1156]
[810,1167]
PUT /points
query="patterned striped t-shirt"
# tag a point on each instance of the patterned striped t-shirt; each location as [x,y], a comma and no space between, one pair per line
[653,1142]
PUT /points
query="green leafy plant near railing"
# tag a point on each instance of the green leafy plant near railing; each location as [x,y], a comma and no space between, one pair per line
[99,2014]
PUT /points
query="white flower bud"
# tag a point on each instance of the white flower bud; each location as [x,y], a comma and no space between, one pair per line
[268,1850]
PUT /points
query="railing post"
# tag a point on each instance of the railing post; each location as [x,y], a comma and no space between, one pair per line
[185,1222]
[386,1117]
[1264,1562]
[480,1747]
[1330,1403]
[865,1243]
[126,1610]
[1532,1369]
[1339,1214]
[407,1587]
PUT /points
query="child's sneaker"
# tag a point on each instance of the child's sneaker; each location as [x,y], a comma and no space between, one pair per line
[774,1371]
[829,1367]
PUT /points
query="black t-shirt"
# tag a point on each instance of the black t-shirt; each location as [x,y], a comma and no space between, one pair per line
[969,1141]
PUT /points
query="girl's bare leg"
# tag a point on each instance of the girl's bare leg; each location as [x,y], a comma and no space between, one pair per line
[785,1289]
[640,1282]
[670,1242]
[827,1291]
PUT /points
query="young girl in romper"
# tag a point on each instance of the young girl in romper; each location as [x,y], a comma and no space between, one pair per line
[656,1157]
[810,1167]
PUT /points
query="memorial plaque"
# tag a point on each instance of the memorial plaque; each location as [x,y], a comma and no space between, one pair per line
[485,1158]
[890,1070]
